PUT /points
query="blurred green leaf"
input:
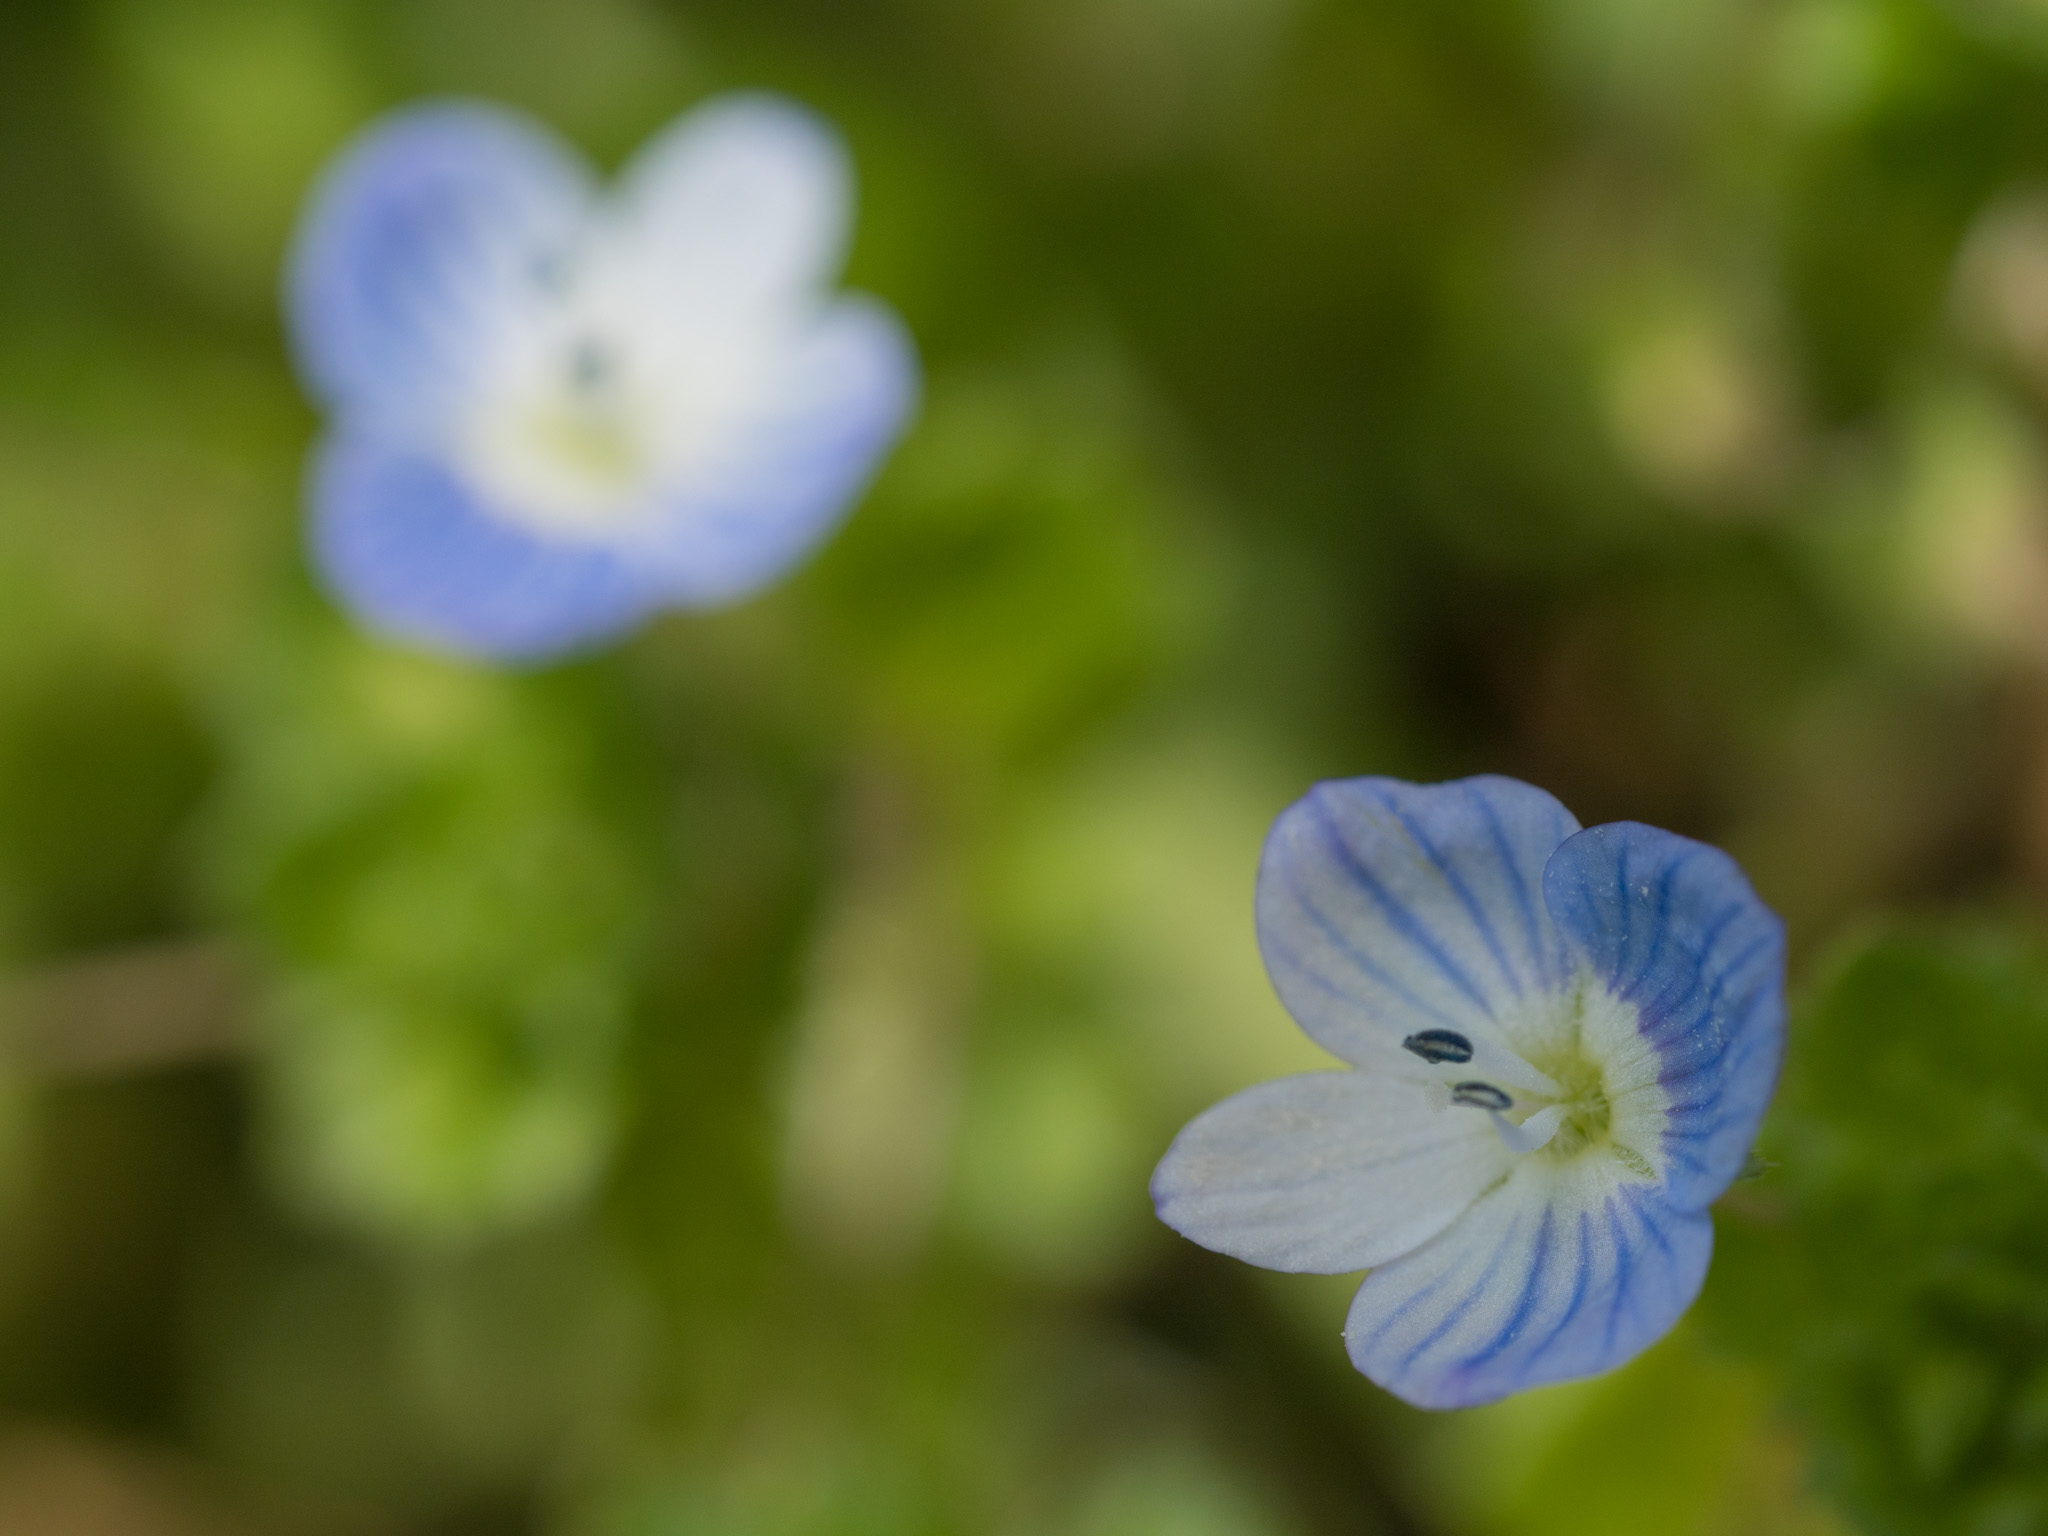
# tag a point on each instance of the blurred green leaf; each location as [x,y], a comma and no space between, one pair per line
[222,110]
[453,889]
[1026,564]
[1894,1267]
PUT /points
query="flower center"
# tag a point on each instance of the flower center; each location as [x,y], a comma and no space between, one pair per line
[584,427]
[1582,1093]
[1553,1095]
[570,448]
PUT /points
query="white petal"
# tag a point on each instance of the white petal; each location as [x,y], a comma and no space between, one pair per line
[788,466]
[1325,1173]
[1565,1270]
[742,202]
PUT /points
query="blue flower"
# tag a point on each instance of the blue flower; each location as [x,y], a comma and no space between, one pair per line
[1564,1042]
[556,410]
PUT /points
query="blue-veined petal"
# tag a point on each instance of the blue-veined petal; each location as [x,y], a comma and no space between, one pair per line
[780,479]
[1325,1173]
[404,543]
[1386,908]
[744,201]
[1675,931]
[1563,1271]
[429,236]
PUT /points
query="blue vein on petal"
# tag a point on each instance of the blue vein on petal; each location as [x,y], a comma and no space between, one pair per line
[1699,1122]
[1646,1232]
[1404,921]
[1423,1292]
[1624,1262]
[1525,899]
[1579,1287]
[1656,1234]
[1667,1004]
[1379,1331]
[1511,1327]
[1624,937]
[1661,921]
[1465,1304]
[1713,1004]
[1677,1140]
[1330,931]
[1740,962]
[1734,910]
[1463,892]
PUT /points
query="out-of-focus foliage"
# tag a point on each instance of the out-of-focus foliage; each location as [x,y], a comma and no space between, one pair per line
[708,1090]
[1894,1265]
[446,868]
[1688,1440]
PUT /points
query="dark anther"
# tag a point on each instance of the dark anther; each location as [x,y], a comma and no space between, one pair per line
[1480,1096]
[1435,1045]
[590,364]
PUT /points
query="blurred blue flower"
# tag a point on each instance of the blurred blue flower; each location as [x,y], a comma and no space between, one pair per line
[555,409]
[1564,1040]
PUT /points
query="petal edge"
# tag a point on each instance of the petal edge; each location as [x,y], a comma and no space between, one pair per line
[405,544]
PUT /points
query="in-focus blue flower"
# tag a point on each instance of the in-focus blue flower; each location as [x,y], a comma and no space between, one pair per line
[1564,1042]
[556,409]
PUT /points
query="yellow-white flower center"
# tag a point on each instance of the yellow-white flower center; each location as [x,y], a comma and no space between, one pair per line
[571,443]
[605,389]
[1572,1077]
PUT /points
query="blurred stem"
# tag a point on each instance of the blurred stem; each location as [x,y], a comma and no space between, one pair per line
[875,1085]
[129,1010]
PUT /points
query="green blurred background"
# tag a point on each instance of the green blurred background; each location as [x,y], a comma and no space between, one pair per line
[709,1089]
